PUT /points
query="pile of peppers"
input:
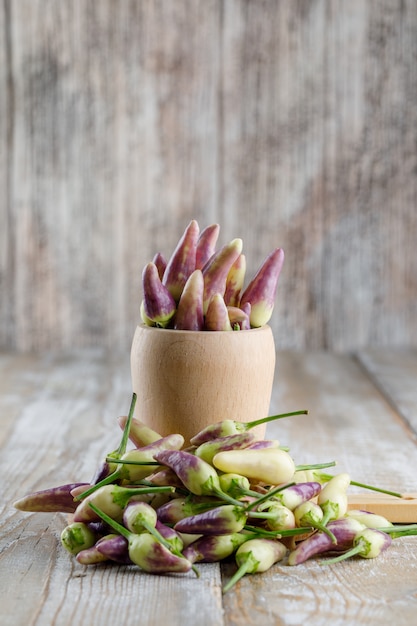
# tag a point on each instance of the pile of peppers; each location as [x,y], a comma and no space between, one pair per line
[164,507]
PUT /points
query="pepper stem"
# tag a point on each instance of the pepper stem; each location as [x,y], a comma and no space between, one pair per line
[248,566]
[111,478]
[268,495]
[225,496]
[327,477]
[303,468]
[277,534]
[272,418]
[342,557]
[111,522]
[406,530]
[126,431]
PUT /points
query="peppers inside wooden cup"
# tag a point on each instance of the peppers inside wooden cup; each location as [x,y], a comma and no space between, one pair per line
[187,380]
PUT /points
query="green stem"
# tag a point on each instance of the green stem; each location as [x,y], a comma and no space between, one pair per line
[325,530]
[267,496]
[126,431]
[406,530]
[262,514]
[327,477]
[111,522]
[111,478]
[272,418]
[224,496]
[248,566]
[130,462]
[277,534]
[342,557]
[303,468]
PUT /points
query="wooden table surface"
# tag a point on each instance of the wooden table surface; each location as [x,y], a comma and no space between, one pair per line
[58,418]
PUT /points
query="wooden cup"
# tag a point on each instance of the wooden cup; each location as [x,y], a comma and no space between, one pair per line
[186,380]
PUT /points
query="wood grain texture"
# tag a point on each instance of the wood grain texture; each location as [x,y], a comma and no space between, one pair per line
[289,123]
[58,418]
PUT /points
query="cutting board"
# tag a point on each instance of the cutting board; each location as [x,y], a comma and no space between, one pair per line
[397,510]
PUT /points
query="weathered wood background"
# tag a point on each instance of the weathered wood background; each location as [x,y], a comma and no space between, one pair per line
[291,123]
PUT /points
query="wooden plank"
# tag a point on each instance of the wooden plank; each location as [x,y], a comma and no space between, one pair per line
[349,421]
[291,124]
[65,425]
[64,412]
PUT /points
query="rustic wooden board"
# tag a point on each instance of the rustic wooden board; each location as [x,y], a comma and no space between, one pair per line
[57,417]
[290,123]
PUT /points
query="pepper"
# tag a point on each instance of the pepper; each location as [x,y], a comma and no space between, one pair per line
[233,427]
[216,269]
[213,548]
[255,556]
[333,497]
[139,434]
[196,475]
[311,514]
[261,290]
[272,466]
[182,262]
[151,553]
[52,500]
[368,543]
[293,496]
[77,536]
[222,520]
[91,556]
[234,281]
[206,245]
[115,548]
[112,499]
[178,508]
[344,529]
[282,518]
[370,520]
[158,305]
[138,463]
[189,315]
[217,315]
[208,449]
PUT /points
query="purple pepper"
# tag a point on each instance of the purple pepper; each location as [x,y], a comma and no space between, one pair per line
[178,508]
[368,543]
[196,475]
[52,500]
[234,281]
[217,268]
[208,449]
[161,263]
[91,556]
[217,315]
[261,291]
[206,245]
[189,315]
[158,304]
[213,548]
[222,520]
[293,496]
[182,262]
[115,548]
[150,551]
[344,529]
[232,427]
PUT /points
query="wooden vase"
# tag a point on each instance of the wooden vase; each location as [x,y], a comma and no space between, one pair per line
[186,380]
